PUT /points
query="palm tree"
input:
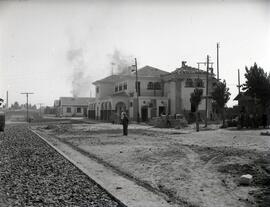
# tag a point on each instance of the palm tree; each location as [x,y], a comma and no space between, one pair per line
[195,100]
[221,96]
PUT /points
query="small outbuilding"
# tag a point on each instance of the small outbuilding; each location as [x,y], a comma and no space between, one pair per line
[72,106]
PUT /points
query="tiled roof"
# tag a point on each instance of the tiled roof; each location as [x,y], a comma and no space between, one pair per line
[144,71]
[78,101]
[151,71]
[188,70]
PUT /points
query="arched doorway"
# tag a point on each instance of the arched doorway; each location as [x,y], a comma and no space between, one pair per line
[109,108]
[102,111]
[119,107]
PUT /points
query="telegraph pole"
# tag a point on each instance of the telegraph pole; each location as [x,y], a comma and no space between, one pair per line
[208,65]
[27,115]
[205,63]
[218,61]
[40,104]
[206,98]
[238,86]
[137,90]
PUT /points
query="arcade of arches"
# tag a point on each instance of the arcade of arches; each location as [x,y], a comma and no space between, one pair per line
[106,110]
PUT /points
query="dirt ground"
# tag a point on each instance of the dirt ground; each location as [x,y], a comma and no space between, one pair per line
[190,168]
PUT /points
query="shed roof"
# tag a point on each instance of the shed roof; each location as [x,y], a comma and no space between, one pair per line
[151,71]
[243,96]
[75,101]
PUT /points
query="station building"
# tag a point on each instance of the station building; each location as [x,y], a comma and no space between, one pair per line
[159,92]
[117,93]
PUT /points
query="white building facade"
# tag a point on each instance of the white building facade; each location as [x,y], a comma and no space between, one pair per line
[159,92]
[117,93]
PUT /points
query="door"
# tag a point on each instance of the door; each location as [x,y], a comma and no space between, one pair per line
[144,112]
[161,110]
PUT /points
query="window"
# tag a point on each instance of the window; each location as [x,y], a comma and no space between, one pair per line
[125,86]
[131,104]
[150,86]
[120,87]
[68,110]
[116,89]
[199,83]
[79,110]
[189,82]
[157,86]
[97,89]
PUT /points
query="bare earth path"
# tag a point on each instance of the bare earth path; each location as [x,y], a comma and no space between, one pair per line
[191,169]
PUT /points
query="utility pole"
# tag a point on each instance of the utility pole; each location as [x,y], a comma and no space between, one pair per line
[27,115]
[206,98]
[238,86]
[218,61]
[40,104]
[137,91]
[208,65]
[205,63]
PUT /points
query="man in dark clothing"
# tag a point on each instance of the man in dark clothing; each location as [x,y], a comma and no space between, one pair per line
[264,120]
[168,122]
[125,124]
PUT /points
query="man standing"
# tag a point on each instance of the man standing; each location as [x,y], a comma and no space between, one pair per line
[264,120]
[125,124]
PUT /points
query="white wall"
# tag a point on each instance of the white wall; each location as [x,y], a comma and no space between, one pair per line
[105,89]
[73,111]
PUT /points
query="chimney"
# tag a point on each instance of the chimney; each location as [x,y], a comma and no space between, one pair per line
[184,63]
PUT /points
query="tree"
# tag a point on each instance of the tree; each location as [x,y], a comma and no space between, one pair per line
[195,100]
[15,105]
[221,96]
[257,84]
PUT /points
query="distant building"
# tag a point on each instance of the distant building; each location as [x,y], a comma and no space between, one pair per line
[248,104]
[159,92]
[72,106]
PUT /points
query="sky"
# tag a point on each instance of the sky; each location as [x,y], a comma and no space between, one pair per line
[57,48]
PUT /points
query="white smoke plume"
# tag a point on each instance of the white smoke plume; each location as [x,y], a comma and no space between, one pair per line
[121,64]
[80,80]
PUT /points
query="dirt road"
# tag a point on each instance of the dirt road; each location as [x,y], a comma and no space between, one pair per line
[195,169]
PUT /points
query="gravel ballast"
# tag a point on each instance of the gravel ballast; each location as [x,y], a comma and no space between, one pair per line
[34,174]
